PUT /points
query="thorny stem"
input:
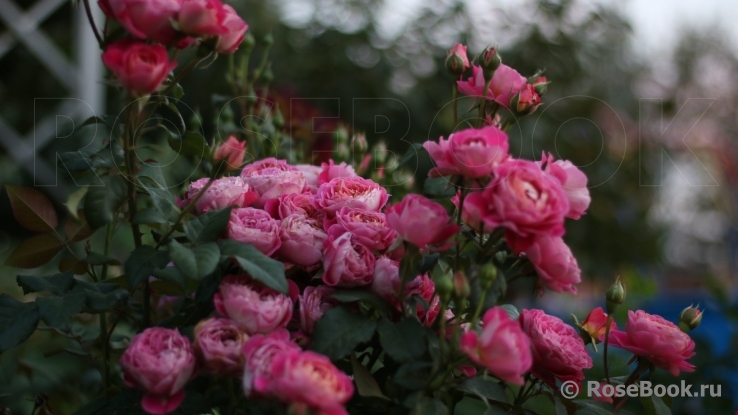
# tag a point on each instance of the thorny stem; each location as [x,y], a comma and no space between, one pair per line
[604,353]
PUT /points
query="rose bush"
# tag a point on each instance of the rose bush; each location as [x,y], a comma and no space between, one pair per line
[278,286]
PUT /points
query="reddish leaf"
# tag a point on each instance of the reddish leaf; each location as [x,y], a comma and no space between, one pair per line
[71,264]
[77,230]
[35,251]
[32,209]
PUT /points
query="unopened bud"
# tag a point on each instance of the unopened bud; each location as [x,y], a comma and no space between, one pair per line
[540,85]
[490,61]
[444,286]
[231,152]
[457,61]
[488,274]
[359,144]
[615,296]
[268,40]
[461,286]
[248,42]
[525,102]
[341,135]
[278,119]
[380,152]
[267,76]
[342,151]
[690,318]
[251,97]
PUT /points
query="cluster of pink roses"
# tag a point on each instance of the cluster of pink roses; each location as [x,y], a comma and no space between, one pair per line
[530,200]
[141,67]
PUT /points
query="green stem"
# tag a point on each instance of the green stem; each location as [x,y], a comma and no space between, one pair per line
[483,104]
[480,306]
[181,75]
[129,135]
[104,316]
[454,96]
[184,213]
[604,353]
[462,196]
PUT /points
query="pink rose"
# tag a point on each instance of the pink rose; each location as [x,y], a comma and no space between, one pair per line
[232,151]
[656,339]
[228,191]
[421,221]
[347,263]
[523,200]
[147,19]
[255,227]
[331,170]
[554,263]
[386,279]
[218,343]
[291,203]
[254,307]
[386,284]
[595,324]
[351,192]
[501,347]
[140,68]
[235,32]
[506,82]
[272,178]
[259,351]
[558,351]
[574,183]
[309,378]
[457,61]
[161,362]
[526,101]
[302,240]
[312,174]
[313,303]
[367,227]
[202,18]
[473,153]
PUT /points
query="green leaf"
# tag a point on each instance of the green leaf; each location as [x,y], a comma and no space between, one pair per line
[484,388]
[588,407]
[57,284]
[92,407]
[366,385]
[101,296]
[142,263]
[149,216]
[409,154]
[404,340]
[57,311]
[339,331]
[101,202]
[350,296]
[654,405]
[413,375]
[262,268]
[17,321]
[208,227]
[93,258]
[428,406]
[439,187]
[32,209]
[511,310]
[171,274]
[195,263]
[35,251]
[193,145]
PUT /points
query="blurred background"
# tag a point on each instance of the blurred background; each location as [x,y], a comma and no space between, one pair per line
[643,99]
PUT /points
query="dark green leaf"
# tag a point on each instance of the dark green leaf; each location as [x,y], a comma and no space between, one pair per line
[339,331]
[92,407]
[35,251]
[207,257]
[208,227]
[485,388]
[32,209]
[413,375]
[170,273]
[350,296]
[262,268]
[142,263]
[404,340]
[439,187]
[587,407]
[17,321]
[102,201]
[428,406]
[108,120]
[655,405]
[93,258]
[193,145]
[57,284]
[57,311]
[366,385]
[101,296]
[409,154]
[148,216]
[195,263]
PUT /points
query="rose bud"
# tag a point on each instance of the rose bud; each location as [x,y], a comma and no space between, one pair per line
[259,351]
[359,144]
[146,19]
[309,378]
[254,307]
[540,85]
[614,296]
[505,83]
[201,18]
[420,221]
[558,352]
[140,68]
[457,61]
[594,326]
[525,102]
[461,286]
[490,61]
[656,339]
[159,361]
[690,318]
[232,151]
[218,343]
[554,263]
[501,347]
[235,32]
